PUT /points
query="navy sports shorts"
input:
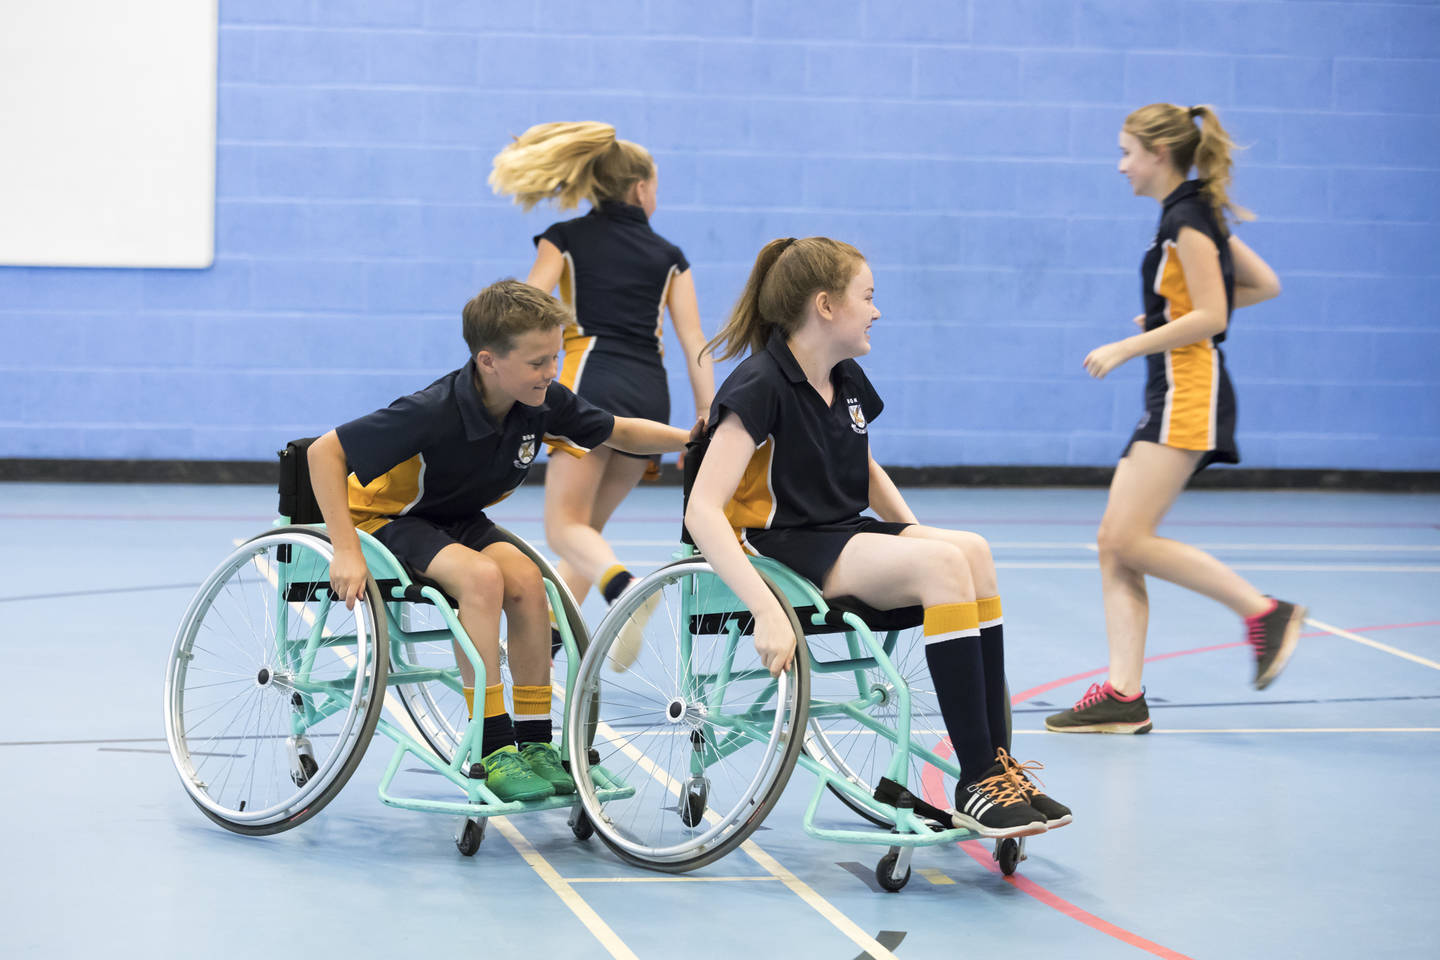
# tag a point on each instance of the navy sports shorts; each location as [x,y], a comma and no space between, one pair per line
[415,540]
[812,551]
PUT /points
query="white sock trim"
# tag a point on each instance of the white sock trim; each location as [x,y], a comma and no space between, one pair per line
[952,635]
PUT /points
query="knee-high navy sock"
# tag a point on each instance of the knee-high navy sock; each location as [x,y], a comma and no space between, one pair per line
[992,649]
[952,652]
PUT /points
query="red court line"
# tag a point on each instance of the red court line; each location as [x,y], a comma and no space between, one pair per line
[1024,695]
[935,794]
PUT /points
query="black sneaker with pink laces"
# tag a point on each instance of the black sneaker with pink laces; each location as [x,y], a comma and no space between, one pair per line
[1102,710]
[1056,814]
[1273,636]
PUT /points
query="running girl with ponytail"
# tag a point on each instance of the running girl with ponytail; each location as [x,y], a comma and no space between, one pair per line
[1194,275]
[787,473]
[618,276]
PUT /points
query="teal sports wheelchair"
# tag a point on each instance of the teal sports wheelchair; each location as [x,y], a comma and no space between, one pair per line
[679,740]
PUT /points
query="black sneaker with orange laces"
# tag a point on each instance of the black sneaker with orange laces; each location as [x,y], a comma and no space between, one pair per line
[1056,814]
[993,807]
[1274,636]
[1102,710]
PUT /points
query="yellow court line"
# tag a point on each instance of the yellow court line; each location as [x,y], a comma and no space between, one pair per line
[586,914]
[935,876]
[1373,643]
[567,894]
[668,879]
[1277,730]
[768,863]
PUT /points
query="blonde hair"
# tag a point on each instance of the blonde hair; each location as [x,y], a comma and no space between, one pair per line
[505,310]
[1207,148]
[568,162]
[787,273]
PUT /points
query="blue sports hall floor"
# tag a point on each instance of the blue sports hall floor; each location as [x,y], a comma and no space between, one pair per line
[1294,822]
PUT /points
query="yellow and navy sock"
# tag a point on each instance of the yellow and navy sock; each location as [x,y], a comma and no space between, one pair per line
[992,651]
[532,714]
[952,652]
[499,728]
[614,581]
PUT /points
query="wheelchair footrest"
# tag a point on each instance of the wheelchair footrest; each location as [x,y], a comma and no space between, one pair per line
[889,792]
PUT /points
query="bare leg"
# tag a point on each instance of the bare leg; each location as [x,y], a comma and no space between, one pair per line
[527,622]
[1145,486]
[477,584]
[580,496]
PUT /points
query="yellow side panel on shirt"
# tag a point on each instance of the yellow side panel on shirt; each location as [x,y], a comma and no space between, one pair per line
[754,501]
[576,350]
[1190,402]
[374,504]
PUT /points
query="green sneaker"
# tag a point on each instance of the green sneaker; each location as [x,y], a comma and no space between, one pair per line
[544,761]
[510,778]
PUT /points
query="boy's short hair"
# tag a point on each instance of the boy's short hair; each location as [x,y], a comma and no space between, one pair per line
[505,310]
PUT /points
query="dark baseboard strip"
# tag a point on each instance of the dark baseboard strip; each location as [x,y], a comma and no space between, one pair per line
[1215,478]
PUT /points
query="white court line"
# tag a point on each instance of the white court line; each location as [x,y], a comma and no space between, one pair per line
[1346,634]
[1292,567]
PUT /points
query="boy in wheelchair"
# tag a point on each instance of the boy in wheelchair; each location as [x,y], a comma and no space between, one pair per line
[418,476]
[786,475]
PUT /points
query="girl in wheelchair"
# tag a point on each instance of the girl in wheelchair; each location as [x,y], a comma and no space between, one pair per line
[786,475]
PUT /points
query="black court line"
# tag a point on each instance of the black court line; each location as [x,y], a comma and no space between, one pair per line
[889,939]
[1159,704]
[96,593]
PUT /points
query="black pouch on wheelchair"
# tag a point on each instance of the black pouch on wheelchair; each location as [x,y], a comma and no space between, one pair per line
[297,499]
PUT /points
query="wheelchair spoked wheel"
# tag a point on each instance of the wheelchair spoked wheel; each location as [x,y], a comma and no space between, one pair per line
[857,753]
[273,689]
[861,755]
[437,707]
[691,741]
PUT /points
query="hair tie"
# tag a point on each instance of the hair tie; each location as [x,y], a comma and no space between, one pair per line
[1192,112]
[789,242]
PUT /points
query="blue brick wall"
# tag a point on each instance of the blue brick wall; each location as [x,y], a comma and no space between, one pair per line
[967,147]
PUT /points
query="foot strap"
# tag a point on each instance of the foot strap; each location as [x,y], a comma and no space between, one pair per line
[888,791]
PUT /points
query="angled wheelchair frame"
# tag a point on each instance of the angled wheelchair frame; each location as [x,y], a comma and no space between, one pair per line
[858,683]
[274,689]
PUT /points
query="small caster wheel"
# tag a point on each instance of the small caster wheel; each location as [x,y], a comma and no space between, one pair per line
[302,760]
[694,801]
[308,767]
[580,824]
[884,873]
[1007,854]
[467,841]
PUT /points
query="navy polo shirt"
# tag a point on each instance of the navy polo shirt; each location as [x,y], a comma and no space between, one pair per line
[617,275]
[812,461]
[439,455]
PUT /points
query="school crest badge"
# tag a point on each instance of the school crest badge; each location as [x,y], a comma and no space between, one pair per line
[857,416]
[527,451]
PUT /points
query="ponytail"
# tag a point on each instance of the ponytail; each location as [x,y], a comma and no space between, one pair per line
[1212,159]
[787,273]
[568,162]
[1207,148]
